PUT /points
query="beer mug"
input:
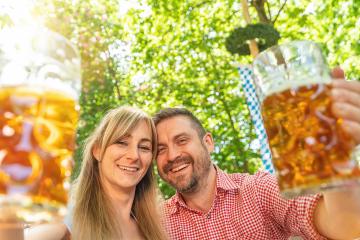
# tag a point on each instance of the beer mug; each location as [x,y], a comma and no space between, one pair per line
[310,151]
[39,91]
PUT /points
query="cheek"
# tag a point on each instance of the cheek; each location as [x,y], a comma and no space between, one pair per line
[104,169]
[146,159]
[114,153]
[160,162]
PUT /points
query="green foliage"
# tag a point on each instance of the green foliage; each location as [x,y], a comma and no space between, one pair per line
[334,24]
[264,34]
[171,53]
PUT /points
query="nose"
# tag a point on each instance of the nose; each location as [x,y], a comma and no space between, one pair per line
[173,153]
[132,153]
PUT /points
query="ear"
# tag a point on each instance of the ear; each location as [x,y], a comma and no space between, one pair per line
[96,153]
[209,142]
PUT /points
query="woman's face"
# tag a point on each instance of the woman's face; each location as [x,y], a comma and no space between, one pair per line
[126,161]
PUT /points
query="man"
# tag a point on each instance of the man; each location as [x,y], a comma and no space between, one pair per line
[210,204]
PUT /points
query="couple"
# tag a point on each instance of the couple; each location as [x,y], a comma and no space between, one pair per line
[116,198]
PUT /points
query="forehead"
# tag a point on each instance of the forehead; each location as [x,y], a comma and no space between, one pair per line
[174,126]
[140,130]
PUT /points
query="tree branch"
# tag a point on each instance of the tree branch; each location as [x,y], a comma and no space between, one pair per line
[281,8]
[202,3]
[113,73]
[260,9]
[254,49]
[269,12]
[230,118]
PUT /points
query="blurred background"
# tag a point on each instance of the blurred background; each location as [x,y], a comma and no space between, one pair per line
[165,53]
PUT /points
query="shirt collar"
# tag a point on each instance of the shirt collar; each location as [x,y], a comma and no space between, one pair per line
[223,181]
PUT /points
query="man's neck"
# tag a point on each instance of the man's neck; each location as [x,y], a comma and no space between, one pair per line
[203,198]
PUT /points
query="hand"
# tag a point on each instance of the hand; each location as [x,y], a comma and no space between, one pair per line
[346,103]
[337,214]
[53,231]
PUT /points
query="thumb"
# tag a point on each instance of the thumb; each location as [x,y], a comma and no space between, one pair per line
[337,72]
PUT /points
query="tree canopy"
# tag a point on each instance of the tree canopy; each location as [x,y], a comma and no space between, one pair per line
[166,53]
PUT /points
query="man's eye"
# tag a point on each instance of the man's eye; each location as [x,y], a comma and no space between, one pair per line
[160,150]
[182,141]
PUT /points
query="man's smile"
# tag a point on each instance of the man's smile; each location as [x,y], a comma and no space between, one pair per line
[178,167]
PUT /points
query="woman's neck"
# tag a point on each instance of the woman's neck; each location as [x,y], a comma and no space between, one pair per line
[122,202]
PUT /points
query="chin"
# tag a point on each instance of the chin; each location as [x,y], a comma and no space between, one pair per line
[127,184]
[182,187]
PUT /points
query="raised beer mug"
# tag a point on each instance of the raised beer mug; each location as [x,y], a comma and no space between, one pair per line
[310,151]
[39,91]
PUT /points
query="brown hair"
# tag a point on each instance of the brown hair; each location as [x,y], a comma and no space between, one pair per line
[167,113]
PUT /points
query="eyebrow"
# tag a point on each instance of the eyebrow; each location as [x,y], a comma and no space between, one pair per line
[145,140]
[141,140]
[180,135]
[183,134]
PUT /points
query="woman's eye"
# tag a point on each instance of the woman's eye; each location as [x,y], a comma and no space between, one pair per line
[145,148]
[120,142]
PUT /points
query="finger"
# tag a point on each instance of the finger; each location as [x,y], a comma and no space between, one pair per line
[353,129]
[342,95]
[337,72]
[349,85]
[346,111]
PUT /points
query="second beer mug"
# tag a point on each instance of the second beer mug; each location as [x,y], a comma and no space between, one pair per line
[310,151]
[39,90]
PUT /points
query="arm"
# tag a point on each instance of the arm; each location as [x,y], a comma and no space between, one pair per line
[55,231]
[11,231]
[337,215]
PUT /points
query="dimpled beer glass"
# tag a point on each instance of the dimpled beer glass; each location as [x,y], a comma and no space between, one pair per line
[310,151]
[39,90]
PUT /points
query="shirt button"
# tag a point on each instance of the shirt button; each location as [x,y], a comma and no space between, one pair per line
[208,216]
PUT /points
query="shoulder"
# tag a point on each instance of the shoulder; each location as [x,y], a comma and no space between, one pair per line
[170,202]
[169,205]
[259,179]
[258,187]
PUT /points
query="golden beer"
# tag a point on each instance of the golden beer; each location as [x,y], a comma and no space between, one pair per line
[37,140]
[309,147]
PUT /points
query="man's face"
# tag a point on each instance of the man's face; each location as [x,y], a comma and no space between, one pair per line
[183,157]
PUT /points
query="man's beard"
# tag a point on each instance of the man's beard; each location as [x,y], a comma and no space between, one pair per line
[191,186]
[200,170]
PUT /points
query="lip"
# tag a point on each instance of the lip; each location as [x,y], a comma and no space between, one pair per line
[130,169]
[176,164]
[179,167]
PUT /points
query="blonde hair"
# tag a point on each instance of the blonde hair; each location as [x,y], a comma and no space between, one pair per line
[93,216]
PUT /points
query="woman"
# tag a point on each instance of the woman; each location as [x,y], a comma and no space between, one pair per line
[115,193]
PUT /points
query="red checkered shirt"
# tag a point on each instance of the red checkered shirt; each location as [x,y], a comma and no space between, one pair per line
[245,207]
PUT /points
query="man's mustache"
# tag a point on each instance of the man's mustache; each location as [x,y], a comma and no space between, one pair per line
[177,161]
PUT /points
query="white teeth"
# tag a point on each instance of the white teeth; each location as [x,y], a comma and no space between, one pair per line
[130,169]
[179,168]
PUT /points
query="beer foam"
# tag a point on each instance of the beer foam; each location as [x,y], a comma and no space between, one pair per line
[54,86]
[283,83]
[58,86]
[39,58]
